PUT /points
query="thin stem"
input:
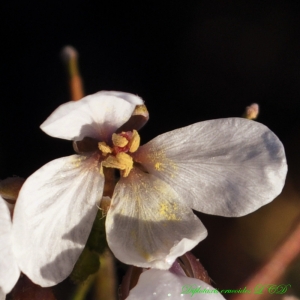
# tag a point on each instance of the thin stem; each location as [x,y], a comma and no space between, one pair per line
[70,57]
[273,270]
[110,182]
[106,284]
[83,288]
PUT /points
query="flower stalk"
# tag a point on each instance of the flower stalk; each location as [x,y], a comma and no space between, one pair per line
[273,270]
[70,57]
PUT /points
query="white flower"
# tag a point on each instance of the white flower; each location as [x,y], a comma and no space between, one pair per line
[9,270]
[227,167]
[183,280]
[164,284]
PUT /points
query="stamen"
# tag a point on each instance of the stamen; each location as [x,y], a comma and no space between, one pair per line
[134,142]
[104,148]
[121,161]
[127,161]
[118,140]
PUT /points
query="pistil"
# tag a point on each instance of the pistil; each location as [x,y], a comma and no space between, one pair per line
[118,156]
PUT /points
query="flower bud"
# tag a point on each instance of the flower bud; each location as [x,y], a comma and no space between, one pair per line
[193,268]
[251,112]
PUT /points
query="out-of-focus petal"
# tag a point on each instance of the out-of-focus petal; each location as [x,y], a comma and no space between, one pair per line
[228,167]
[96,116]
[53,217]
[2,295]
[147,225]
[133,99]
[9,271]
[161,284]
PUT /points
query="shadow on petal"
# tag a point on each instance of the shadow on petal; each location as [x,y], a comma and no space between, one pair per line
[155,244]
[80,232]
[273,146]
[61,266]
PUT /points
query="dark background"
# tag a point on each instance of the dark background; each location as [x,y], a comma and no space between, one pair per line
[190,61]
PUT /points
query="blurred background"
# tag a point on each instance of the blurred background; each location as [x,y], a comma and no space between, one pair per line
[189,61]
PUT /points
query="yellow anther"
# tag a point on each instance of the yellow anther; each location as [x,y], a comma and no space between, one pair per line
[121,161]
[112,162]
[104,148]
[126,161]
[157,166]
[134,142]
[118,140]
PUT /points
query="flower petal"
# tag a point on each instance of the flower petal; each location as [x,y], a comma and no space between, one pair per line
[228,167]
[96,116]
[161,284]
[2,295]
[133,99]
[9,271]
[53,217]
[147,225]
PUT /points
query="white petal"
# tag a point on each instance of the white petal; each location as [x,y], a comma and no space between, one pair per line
[2,295]
[160,284]
[147,225]
[53,217]
[96,116]
[9,271]
[133,99]
[228,167]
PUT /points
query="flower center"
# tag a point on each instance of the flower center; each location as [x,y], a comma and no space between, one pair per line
[118,156]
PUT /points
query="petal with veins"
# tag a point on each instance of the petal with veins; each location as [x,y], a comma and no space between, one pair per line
[53,217]
[96,116]
[147,225]
[227,167]
[161,284]
[9,271]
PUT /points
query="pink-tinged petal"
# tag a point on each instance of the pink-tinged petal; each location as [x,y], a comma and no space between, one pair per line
[227,167]
[9,271]
[161,284]
[147,225]
[53,217]
[133,99]
[97,116]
